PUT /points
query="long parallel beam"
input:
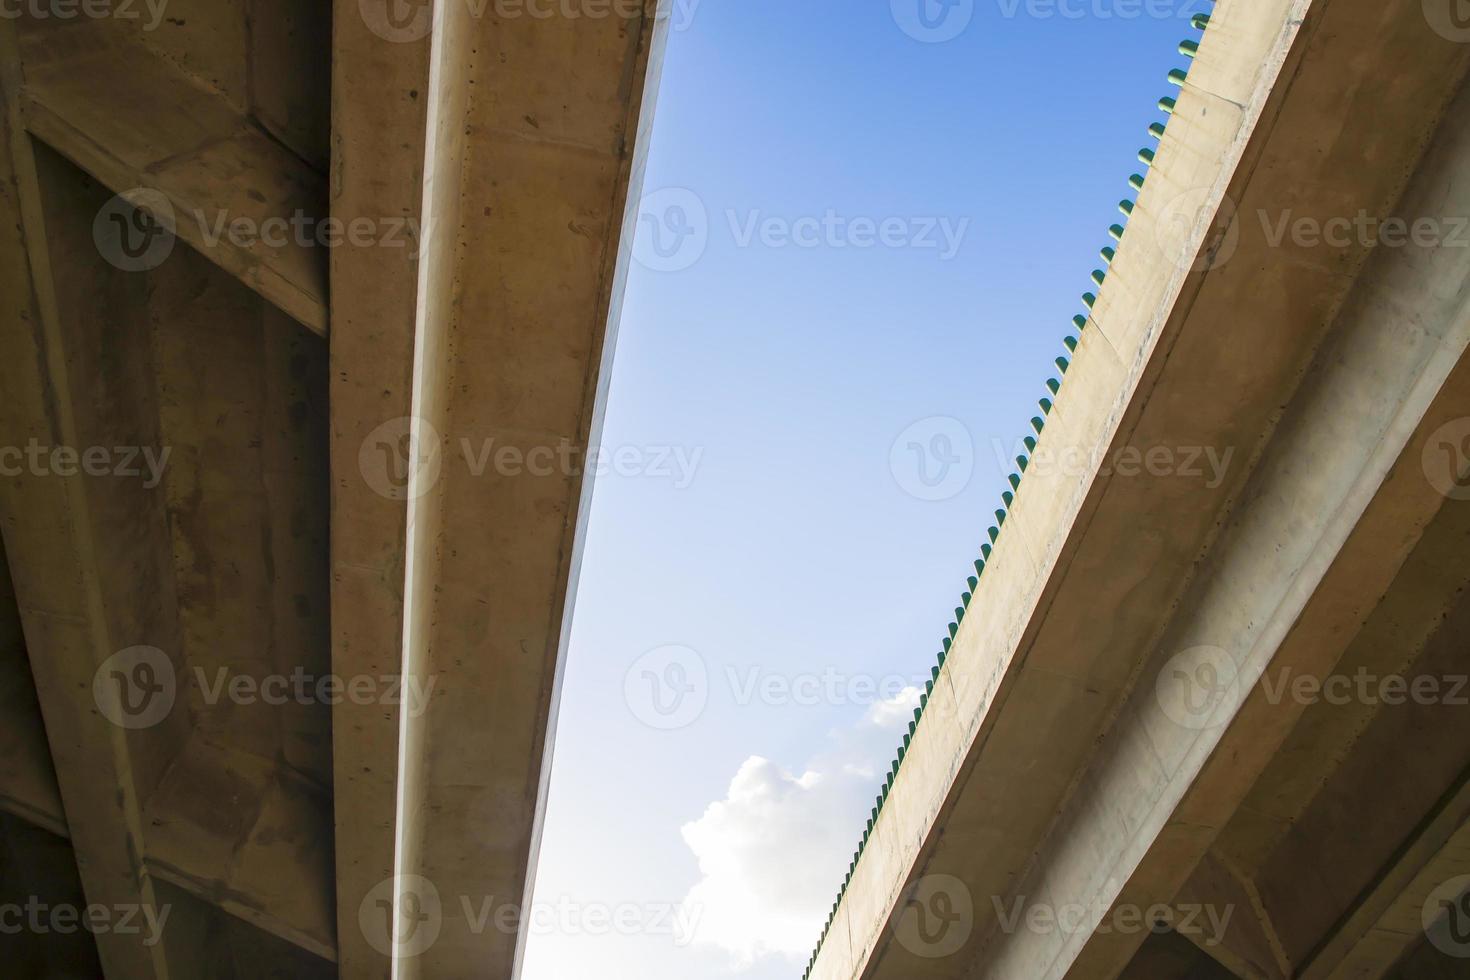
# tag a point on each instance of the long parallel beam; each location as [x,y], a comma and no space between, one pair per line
[84,593]
[1200,334]
[380,89]
[247,869]
[1329,517]
[527,191]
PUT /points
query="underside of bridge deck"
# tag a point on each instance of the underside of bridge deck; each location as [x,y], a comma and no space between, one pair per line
[246,651]
[1191,729]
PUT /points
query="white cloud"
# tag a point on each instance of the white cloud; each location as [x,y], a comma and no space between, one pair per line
[773,852]
[894,714]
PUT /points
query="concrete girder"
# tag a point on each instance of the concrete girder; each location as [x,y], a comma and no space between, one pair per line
[1329,518]
[1246,944]
[380,90]
[140,124]
[528,194]
[258,872]
[1201,352]
[83,594]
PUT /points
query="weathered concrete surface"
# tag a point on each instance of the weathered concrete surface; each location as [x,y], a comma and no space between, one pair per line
[136,122]
[227,800]
[1361,796]
[222,109]
[380,90]
[1173,357]
[83,594]
[523,250]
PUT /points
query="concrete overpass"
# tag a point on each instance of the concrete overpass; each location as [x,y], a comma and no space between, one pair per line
[273,274]
[1188,727]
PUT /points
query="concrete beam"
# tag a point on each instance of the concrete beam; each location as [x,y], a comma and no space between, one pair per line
[380,90]
[1202,332]
[249,838]
[527,196]
[138,123]
[93,561]
[262,856]
[1390,918]
[1330,516]
[90,561]
[1365,769]
[1246,944]
[1029,657]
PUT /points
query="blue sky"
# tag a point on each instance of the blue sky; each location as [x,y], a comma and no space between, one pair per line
[764,575]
